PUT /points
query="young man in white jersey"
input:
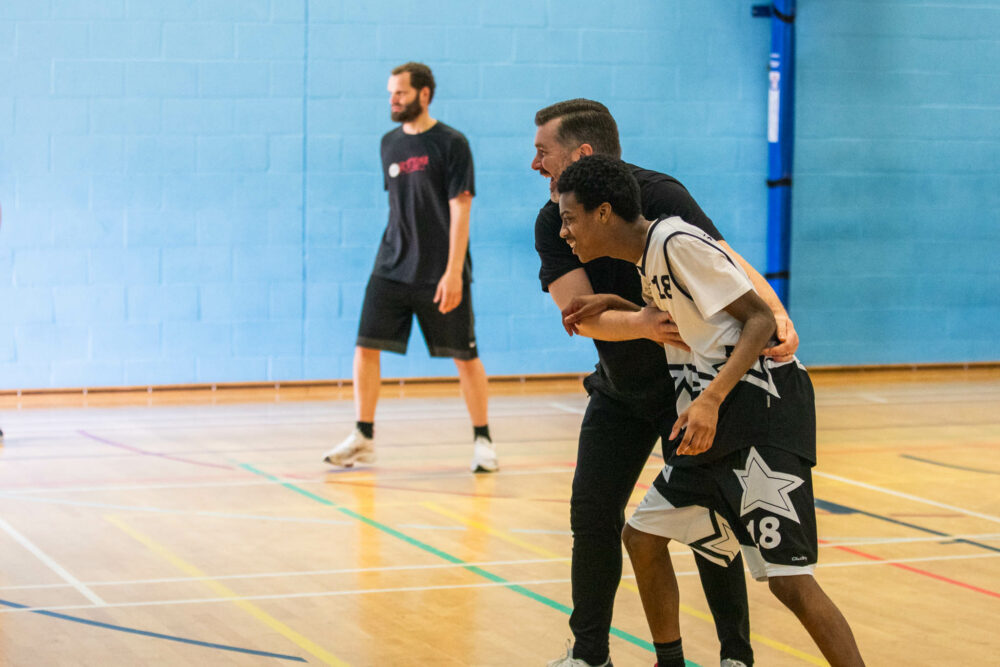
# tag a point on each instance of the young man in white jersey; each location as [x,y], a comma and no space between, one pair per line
[746,423]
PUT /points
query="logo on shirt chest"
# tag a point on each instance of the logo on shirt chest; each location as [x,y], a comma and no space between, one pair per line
[408,166]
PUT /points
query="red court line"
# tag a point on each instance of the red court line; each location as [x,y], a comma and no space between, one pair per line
[915,570]
[902,566]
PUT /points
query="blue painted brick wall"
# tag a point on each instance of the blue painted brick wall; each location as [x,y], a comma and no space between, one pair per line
[191,191]
[897,198]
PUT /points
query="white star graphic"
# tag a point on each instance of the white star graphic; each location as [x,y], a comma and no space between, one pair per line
[726,544]
[764,488]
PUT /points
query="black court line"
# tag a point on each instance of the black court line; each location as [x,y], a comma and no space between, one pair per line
[949,465]
[835,508]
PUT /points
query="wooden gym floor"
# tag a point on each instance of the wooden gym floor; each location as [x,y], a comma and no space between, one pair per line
[179,528]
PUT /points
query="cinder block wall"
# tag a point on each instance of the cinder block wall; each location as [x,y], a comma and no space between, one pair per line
[191,190]
[897,198]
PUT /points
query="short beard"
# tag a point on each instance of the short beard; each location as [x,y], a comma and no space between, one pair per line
[408,113]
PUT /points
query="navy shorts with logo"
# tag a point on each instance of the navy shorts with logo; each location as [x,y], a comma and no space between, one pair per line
[387,317]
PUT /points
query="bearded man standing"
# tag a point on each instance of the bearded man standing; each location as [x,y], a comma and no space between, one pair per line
[423,266]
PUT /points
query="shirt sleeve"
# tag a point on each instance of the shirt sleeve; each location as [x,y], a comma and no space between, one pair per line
[705,273]
[461,174]
[665,197]
[556,256]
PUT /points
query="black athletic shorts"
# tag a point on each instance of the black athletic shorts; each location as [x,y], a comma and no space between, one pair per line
[387,317]
[761,497]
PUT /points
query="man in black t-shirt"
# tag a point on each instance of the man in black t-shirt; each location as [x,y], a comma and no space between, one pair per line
[631,393]
[423,266]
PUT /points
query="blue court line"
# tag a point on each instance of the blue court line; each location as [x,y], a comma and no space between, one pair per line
[517,588]
[155,635]
[835,508]
[949,465]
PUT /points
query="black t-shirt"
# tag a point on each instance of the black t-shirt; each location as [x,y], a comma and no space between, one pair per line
[633,370]
[422,172]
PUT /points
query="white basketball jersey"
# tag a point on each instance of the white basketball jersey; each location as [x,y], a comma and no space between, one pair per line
[686,273]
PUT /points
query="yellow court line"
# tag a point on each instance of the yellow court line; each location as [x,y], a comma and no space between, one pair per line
[478,525]
[302,642]
[690,611]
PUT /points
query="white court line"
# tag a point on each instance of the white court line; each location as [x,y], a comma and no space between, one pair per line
[925,559]
[682,552]
[412,589]
[568,408]
[907,496]
[52,565]
[305,573]
[459,473]
[540,531]
[141,487]
[73,423]
[163,510]
[863,541]
[291,596]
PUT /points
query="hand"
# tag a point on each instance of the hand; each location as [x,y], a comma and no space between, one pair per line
[661,328]
[701,419]
[580,308]
[449,292]
[789,340]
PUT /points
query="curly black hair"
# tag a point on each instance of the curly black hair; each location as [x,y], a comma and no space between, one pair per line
[596,179]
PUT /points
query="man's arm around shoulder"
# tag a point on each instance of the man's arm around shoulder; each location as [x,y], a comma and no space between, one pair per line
[571,290]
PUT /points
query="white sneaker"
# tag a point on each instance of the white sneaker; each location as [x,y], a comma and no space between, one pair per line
[484,456]
[569,661]
[354,449]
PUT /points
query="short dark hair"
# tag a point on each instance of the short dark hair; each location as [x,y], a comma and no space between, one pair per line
[420,76]
[583,122]
[595,179]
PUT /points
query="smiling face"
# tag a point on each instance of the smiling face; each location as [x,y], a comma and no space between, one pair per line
[406,103]
[583,230]
[551,157]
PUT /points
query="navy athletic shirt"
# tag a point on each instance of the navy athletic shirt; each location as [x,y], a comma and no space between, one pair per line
[422,172]
[633,370]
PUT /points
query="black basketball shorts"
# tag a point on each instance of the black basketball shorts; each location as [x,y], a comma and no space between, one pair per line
[758,497]
[387,317]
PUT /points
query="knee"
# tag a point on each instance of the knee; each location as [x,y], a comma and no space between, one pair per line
[790,591]
[644,549]
[467,365]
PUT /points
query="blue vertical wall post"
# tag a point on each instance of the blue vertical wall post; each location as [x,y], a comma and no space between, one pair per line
[780,140]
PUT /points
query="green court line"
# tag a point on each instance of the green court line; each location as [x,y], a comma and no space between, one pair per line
[558,606]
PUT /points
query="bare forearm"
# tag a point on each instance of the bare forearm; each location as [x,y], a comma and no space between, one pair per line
[458,232]
[757,331]
[760,284]
[612,325]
